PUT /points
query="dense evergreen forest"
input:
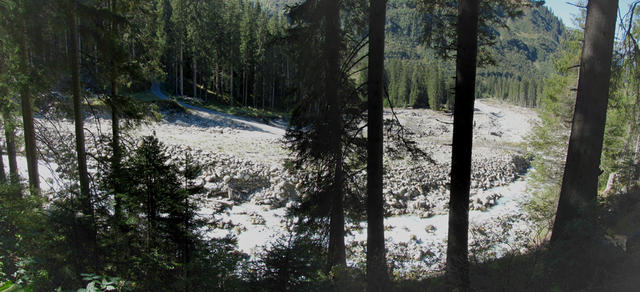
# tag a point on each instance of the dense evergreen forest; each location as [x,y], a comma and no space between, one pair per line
[520,57]
[324,93]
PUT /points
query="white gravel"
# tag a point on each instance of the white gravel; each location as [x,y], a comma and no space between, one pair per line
[499,130]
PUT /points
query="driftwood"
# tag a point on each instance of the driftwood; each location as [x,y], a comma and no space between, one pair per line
[444,122]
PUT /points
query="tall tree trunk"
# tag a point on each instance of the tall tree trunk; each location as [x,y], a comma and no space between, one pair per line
[273,92]
[27,115]
[95,59]
[377,278]
[195,75]
[11,146]
[115,145]
[3,175]
[206,88]
[231,87]
[175,83]
[116,157]
[3,94]
[216,78]
[580,181]
[88,231]
[255,87]
[467,50]
[181,64]
[244,84]
[337,254]
[288,79]
[77,113]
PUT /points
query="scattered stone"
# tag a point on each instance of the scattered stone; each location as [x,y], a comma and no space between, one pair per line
[239,229]
[430,228]
[256,219]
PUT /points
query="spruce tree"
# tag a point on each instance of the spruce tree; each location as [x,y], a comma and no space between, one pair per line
[467,49]
[580,180]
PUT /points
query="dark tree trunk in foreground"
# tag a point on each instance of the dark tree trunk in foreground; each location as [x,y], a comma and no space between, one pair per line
[337,254]
[467,51]
[77,113]
[87,230]
[377,278]
[27,115]
[116,157]
[580,180]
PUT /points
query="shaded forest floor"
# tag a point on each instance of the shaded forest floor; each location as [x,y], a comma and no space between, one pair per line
[596,267]
[608,262]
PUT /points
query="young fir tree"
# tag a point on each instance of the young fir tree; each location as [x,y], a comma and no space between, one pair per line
[548,139]
[160,208]
[327,117]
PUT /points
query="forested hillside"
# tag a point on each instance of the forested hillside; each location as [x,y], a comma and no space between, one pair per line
[419,77]
[520,57]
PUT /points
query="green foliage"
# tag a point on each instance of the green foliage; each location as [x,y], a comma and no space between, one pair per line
[296,262]
[41,248]
[158,246]
[161,238]
[548,139]
[291,263]
[98,283]
[11,287]
[620,157]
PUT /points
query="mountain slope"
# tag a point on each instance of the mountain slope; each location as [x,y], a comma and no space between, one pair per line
[417,77]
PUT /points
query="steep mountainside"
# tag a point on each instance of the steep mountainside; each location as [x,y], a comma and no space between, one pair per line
[533,37]
[418,78]
[522,52]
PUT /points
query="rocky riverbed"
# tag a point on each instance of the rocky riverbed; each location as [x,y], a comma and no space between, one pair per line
[248,188]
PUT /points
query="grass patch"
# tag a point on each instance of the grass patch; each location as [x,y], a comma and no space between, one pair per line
[216,102]
[250,112]
[262,115]
[144,96]
[152,106]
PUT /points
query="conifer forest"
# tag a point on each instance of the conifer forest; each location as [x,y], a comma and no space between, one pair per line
[319,145]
